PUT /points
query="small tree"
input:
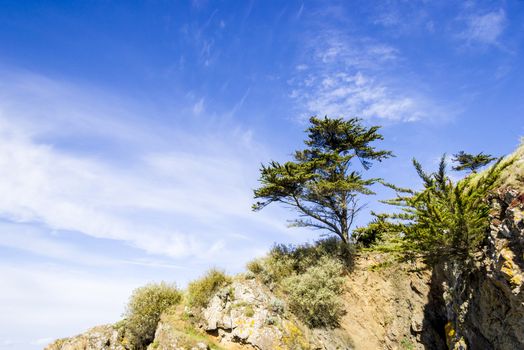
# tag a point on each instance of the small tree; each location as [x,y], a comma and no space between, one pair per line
[467,161]
[321,184]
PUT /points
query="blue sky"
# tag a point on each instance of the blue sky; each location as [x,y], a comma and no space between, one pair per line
[132,132]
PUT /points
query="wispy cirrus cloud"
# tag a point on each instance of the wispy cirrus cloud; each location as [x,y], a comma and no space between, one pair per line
[485,28]
[162,198]
[90,181]
[343,76]
[344,94]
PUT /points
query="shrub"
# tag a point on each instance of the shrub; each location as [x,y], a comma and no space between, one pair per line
[201,290]
[271,269]
[285,260]
[314,296]
[255,266]
[144,309]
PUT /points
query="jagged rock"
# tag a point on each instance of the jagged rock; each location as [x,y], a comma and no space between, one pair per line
[242,313]
[485,307]
[98,338]
[390,307]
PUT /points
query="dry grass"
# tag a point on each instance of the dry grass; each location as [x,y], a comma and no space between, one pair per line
[513,176]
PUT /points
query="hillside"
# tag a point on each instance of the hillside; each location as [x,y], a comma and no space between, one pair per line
[386,304]
[385,309]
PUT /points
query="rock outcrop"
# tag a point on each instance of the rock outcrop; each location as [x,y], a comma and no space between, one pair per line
[106,337]
[389,305]
[245,313]
[485,305]
[386,309]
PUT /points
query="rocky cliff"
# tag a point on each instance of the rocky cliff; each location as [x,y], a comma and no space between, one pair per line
[485,305]
[386,309]
[388,305]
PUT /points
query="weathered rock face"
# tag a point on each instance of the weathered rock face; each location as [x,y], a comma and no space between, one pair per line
[386,309]
[245,312]
[248,313]
[395,307]
[167,337]
[392,307]
[98,338]
[485,306]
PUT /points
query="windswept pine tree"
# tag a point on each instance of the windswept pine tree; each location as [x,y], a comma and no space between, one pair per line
[467,161]
[322,183]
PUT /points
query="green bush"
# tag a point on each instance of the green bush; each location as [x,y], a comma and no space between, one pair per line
[201,290]
[144,309]
[255,266]
[286,260]
[314,296]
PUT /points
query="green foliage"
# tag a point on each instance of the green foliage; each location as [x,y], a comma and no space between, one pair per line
[255,266]
[321,184]
[314,296]
[201,290]
[369,235]
[467,161]
[249,311]
[305,255]
[286,260]
[406,344]
[444,220]
[277,306]
[271,269]
[144,309]
[309,276]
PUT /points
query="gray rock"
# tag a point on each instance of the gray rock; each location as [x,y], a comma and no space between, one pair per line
[485,307]
[98,338]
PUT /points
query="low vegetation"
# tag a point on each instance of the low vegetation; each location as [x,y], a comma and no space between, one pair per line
[309,276]
[199,292]
[286,260]
[144,309]
[314,296]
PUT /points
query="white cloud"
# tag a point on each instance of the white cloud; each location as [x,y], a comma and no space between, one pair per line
[349,77]
[347,95]
[176,194]
[38,242]
[486,28]
[333,47]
